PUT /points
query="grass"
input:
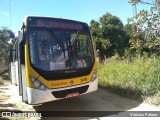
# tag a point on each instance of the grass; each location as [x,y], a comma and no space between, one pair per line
[139,80]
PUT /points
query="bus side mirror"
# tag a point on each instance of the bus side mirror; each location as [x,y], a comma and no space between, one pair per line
[24,33]
[24,37]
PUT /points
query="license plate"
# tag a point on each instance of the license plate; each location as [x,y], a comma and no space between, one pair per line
[72,95]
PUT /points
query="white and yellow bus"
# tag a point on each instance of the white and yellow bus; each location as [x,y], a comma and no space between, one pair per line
[53,58]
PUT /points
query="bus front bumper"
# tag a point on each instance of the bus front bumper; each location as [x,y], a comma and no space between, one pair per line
[36,96]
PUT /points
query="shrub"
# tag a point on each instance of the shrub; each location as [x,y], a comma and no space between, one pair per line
[139,79]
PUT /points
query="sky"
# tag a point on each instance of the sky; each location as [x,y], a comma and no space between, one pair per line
[12,12]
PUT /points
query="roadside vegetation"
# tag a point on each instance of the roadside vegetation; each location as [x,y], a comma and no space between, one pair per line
[129,55]
[139,79]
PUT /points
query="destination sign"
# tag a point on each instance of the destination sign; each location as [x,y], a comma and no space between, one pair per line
[51,24]
[55,23]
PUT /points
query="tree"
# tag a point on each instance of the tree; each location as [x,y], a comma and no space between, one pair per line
[145,28]
[5,36]
[109,35]
[108,19]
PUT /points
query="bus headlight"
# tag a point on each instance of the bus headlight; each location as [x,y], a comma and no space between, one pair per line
[94,76]
[37,84]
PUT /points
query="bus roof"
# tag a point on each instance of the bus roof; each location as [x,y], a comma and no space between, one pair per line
[53,22]
[49,17]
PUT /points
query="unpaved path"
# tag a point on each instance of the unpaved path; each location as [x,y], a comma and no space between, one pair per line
[101,100]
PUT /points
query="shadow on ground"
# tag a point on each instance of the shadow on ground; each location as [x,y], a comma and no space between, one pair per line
[6,105]
[101,103]
[127,92]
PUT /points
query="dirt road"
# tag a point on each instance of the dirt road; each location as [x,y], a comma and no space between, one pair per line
[101,100]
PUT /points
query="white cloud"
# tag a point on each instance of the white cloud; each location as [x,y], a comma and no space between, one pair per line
[4,13]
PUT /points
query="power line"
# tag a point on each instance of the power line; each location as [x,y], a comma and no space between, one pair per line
[10,14]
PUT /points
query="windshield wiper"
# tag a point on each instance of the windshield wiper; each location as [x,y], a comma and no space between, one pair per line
[76,36]
[69,43]
[57,40]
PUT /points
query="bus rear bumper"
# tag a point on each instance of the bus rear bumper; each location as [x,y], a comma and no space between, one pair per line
[36,96]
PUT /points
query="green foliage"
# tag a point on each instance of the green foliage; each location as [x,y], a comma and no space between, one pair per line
[145,30]
[109,35]
[108,19]
[138,79]
[5,36]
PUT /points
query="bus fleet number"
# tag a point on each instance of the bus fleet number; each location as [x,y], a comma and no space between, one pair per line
[83,80]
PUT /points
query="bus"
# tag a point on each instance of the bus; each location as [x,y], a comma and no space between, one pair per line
[52,59]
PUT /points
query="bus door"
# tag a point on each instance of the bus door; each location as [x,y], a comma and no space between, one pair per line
[21,66]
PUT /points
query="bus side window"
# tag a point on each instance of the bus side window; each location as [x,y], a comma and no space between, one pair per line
[10,55]
[16,52]
[21,47]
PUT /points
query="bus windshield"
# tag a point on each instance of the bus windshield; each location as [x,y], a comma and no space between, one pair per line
[56,49]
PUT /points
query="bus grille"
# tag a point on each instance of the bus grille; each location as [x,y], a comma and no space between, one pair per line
[63,93]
